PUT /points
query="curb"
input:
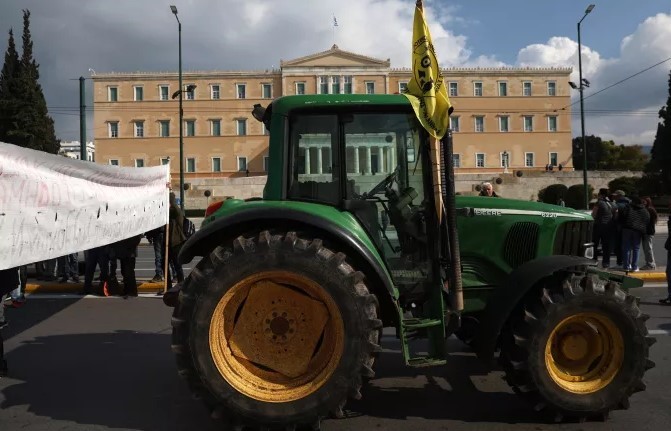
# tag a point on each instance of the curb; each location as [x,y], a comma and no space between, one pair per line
[648,276]
[143,287]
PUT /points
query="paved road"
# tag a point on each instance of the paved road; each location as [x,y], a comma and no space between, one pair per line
[105,363]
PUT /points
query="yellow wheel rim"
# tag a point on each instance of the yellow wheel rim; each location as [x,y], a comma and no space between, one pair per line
[584,353]
[276,336]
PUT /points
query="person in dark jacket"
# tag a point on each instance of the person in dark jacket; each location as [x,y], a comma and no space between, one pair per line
[126,251]
[488,190]
[603,213]
[634,220]
[667,246]
[176,239]
[9,280]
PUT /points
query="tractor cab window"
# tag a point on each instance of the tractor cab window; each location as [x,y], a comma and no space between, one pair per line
[386,193]
[314,172]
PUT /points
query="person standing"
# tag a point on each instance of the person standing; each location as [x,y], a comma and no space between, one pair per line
[95,256]
[634,220]
[176,239]
[68,268]
[126,251]
[603,215]
[667,246]
[9,280]
[156,237]
[621,202]
[649,235]
[488,190]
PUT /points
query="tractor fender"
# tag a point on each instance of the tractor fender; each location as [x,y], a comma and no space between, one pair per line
[215,233]
[504,299]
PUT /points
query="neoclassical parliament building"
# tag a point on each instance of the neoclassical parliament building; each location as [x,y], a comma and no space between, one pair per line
[514,118]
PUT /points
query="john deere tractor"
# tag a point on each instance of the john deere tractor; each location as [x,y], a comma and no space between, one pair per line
[280,322]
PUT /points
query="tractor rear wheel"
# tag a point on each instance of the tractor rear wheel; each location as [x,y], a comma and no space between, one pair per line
[275,331]
[577,348]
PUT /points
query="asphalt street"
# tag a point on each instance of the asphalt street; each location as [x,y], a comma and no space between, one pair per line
[105,363]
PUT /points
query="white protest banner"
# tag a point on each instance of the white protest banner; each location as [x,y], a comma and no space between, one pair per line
[52,205]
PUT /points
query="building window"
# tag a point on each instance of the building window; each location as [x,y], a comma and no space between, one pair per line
[348,84]
[526,88]
[139,129]
[552,124]
[266,163]
[139,163]
[241,91]
[552,88]
[164,92]
[215,127]
[323,85]
[165,160]
[164,128]
[477,89]
[370,87]
[554,159]
[479,160]
[190,95]
[190,127]
[528,123]
[503,89]
[112,94]
[503,123]
[138,93]
[454,89]
[335,85]
[215,92]
[505,159]
[113,128]
[456,160]
[241,127]
[479,124]
[191,164]
[529,160]
[114,162]
[242,164]
[267,91]
[300,88]
[216,164]
[454,124]
[402,87]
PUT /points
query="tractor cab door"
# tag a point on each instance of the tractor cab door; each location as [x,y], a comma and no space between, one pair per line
[367,163]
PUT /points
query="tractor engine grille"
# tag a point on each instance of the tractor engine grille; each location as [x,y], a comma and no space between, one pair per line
[521,243]
[571,236]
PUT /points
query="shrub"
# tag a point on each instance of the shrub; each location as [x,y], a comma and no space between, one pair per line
[575,196]
[629,185]
[552,193]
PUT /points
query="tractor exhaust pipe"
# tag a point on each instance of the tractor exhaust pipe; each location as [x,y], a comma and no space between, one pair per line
[456,289]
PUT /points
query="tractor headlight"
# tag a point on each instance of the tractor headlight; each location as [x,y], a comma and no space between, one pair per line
[588,250]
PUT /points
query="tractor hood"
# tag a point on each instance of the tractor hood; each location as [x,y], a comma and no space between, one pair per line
[487,206]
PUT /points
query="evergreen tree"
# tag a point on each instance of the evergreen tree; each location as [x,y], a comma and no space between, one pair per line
[660,162]
[8,88]
[30,124]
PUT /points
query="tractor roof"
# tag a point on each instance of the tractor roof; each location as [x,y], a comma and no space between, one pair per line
[285,104]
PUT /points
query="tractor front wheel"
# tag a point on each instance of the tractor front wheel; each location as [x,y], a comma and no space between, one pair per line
[577,348]
[275,330]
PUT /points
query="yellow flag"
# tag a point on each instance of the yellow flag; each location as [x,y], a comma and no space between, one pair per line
[426,90]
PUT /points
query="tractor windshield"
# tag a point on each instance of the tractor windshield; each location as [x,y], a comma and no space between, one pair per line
[369,163]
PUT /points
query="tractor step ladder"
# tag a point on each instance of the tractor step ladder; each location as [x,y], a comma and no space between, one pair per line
[408,326]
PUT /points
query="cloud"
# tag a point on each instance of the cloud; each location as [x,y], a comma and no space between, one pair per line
[627,113]
[71,36]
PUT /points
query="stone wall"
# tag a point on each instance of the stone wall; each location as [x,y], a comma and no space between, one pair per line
[511,186]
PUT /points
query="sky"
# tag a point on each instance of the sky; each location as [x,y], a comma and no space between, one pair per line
[619,38]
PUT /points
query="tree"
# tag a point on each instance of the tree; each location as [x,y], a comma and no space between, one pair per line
[8,87]
[575,196]
[606,155]
[28,123]
[660,161]
[594,152]
[629,185]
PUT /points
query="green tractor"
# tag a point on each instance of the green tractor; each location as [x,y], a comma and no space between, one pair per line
[281,320]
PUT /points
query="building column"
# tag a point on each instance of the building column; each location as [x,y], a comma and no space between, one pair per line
[319,160]
[368,161]
[392,157]
[356,161]
[389,163]
[307,160]
[381,159]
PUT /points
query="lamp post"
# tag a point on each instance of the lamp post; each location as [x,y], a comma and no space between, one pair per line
[181,115]
[582,111]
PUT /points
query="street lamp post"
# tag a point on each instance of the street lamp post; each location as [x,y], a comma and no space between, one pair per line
[181,115]
[582,111]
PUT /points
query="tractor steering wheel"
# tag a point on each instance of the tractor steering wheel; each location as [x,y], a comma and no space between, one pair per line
[383,185]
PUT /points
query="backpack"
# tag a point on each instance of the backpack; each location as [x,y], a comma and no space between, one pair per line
[188,228]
